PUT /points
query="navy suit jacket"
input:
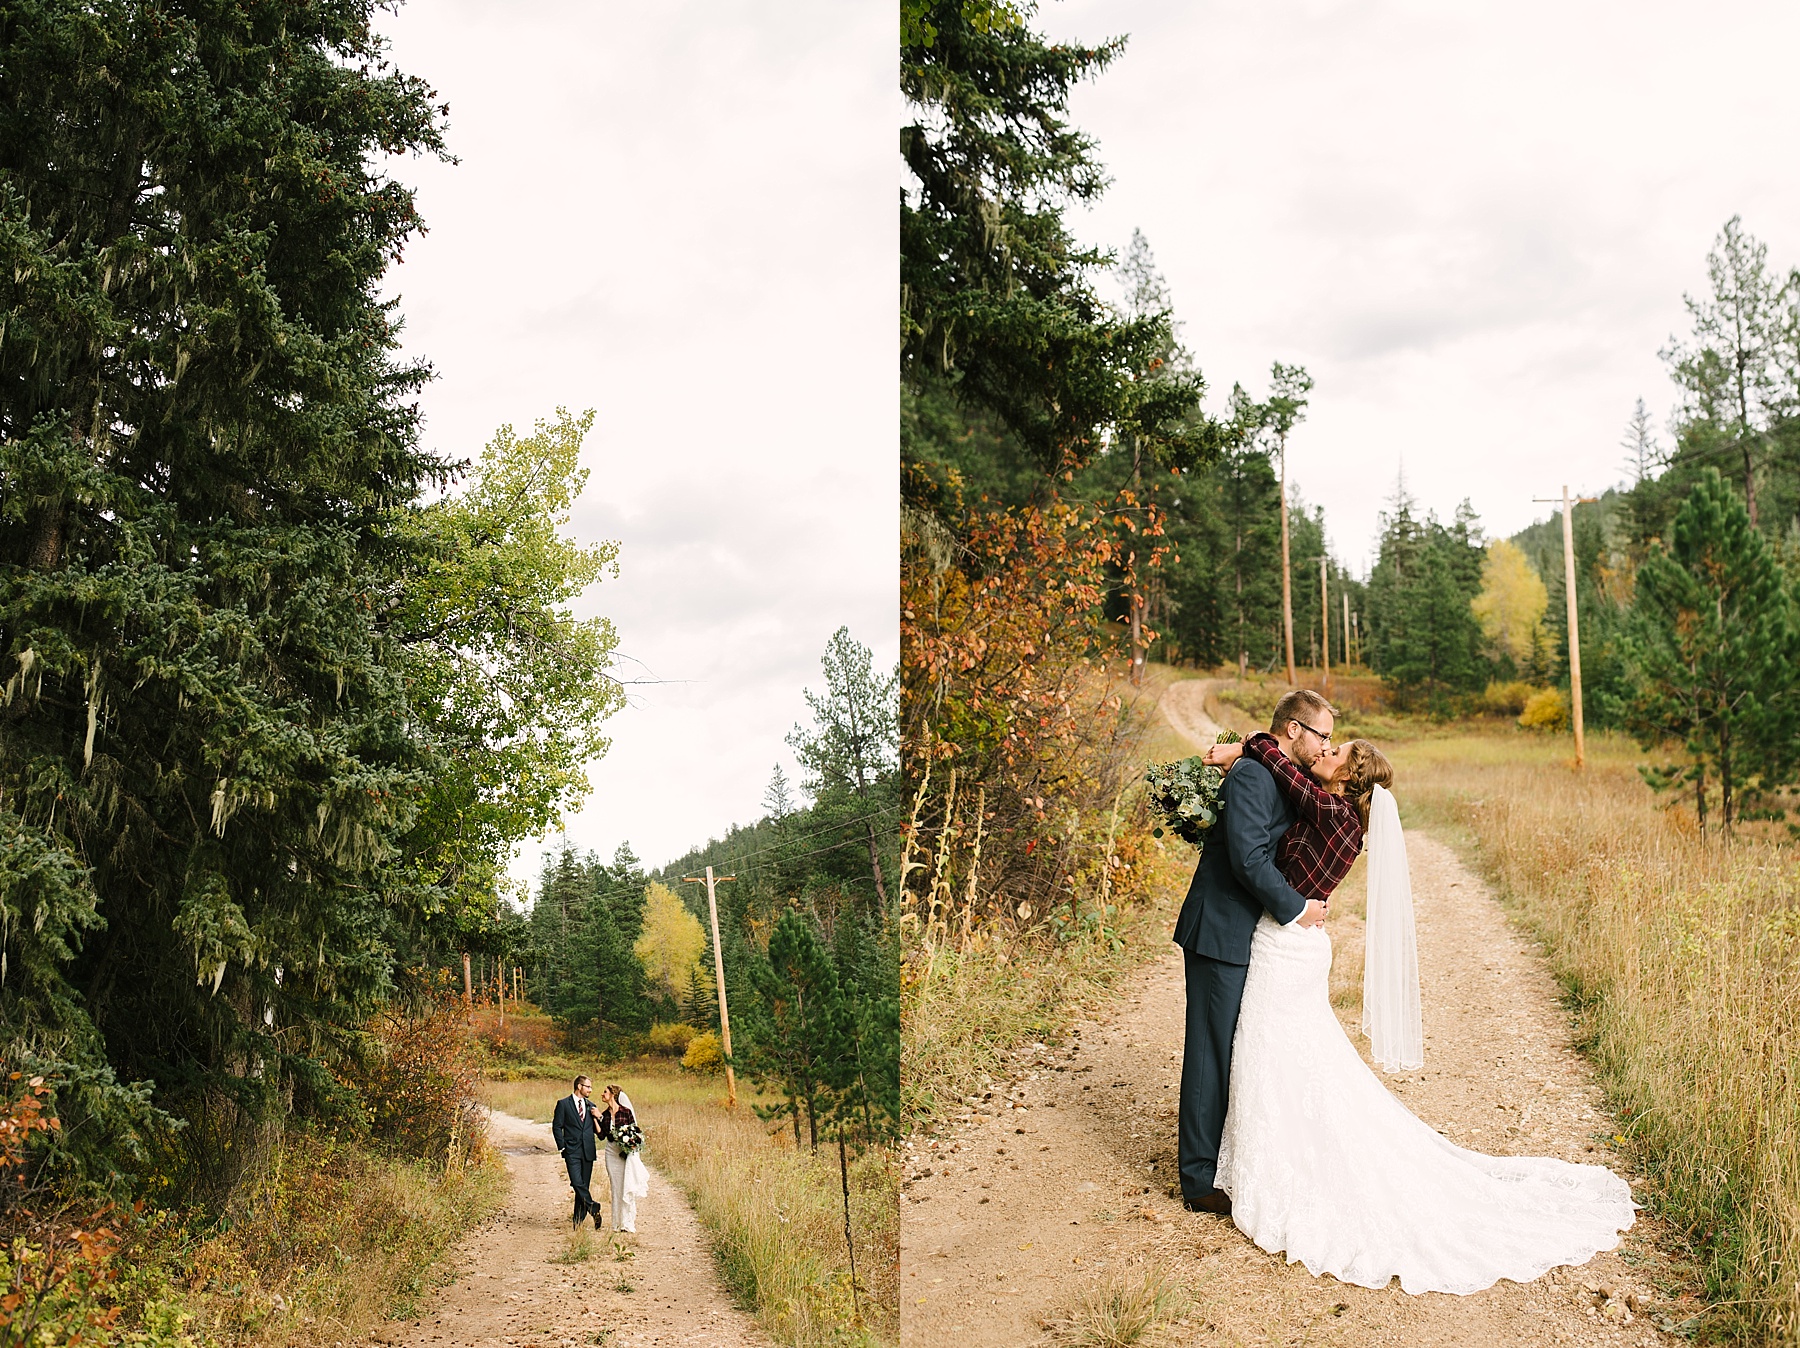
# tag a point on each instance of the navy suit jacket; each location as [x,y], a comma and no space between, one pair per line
[1236,881]
[571,1138]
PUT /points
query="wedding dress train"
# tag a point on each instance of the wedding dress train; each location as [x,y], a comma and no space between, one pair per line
[1322,1162]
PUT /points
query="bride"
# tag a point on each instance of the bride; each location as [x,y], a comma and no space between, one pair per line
[1319,1160]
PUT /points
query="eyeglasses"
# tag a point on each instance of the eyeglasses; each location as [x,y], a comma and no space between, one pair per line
[1324,737]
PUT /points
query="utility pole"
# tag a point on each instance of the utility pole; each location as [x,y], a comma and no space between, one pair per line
[1347,656]
[1324,625]
[1568,509]
[712,906]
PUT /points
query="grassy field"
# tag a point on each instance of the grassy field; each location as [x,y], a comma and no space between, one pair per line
[774,1214]
[1682,958]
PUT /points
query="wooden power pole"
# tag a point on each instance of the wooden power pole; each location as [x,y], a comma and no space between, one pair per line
[712,906]
[1324,625]
[1568,508]
[1287,595]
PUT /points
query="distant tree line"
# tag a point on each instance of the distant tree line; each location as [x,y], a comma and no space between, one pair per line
[807,924]
[1687,576]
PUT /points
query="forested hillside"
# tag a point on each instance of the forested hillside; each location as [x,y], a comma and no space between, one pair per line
[806,924]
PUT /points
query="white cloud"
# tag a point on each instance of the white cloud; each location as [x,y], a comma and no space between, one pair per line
[680,215]
[1473,224]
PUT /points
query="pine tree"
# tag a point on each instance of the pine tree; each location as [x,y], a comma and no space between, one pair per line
[996,296]
[851,751]
[1715,651]
[798,1027]
[209,756]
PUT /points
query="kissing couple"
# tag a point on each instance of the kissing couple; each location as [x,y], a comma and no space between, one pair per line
[1282,1126]
[584,1132]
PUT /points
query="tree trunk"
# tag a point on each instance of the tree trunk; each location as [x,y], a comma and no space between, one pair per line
[1137,589]
[1700,797]
[875,865]
[849,1239]
[1725,803]
[1749,497]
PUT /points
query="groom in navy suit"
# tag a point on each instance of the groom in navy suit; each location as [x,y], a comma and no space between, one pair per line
[1234,885]
[575,1127]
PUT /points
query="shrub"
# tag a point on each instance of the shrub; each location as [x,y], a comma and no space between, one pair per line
[672,1040]
[703,1054]
[1508,699]
[1545,710]
[416,1077]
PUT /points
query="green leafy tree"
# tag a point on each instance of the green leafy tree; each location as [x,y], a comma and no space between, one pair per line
[515,687]
[1716,653]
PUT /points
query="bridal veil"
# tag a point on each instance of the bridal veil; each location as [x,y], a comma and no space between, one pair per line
[1390,1011]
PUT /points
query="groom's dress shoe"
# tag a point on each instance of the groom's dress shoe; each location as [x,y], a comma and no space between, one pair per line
[1215,1201]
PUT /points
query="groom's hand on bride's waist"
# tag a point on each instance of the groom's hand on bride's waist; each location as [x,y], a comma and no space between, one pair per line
[1313,915]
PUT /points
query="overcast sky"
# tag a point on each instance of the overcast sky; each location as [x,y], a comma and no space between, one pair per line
[1473,223]
[682,216]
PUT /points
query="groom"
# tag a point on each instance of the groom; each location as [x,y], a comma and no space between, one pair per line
[575,1126]
[1233,886]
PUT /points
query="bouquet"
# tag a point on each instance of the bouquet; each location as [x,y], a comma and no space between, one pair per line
[1186,795]
[628,1137]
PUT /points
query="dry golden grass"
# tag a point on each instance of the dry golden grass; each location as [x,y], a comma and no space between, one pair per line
[774,1215]
[1119,1312]
[1683,961]
[333,1241]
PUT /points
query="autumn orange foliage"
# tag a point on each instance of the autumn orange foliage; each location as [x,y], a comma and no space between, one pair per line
[58,1266]
[1016,733]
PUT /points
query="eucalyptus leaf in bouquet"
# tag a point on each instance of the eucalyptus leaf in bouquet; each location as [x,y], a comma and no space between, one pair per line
[1185,795]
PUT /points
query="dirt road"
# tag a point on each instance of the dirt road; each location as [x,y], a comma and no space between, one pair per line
[1061,1178]
[509,1292]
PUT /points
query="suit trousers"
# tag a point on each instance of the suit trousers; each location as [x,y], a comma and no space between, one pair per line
[1215,991]
[623,1205]
[581,1174]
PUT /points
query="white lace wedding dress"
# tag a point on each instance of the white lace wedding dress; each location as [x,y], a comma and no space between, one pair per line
[1323,1163]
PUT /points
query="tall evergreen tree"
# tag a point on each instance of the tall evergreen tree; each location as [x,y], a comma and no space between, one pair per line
[1716,651]
[1728,369]
[996,296]
[799,1031]
[851,751]
[1424,637]
[209,754]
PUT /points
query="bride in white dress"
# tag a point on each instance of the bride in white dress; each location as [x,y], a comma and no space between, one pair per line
[1324,1164]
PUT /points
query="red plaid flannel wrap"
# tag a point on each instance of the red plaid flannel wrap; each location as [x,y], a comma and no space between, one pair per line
[1315,854]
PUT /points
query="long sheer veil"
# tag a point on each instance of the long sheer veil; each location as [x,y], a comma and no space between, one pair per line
[637,1174]
[1390,1014]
